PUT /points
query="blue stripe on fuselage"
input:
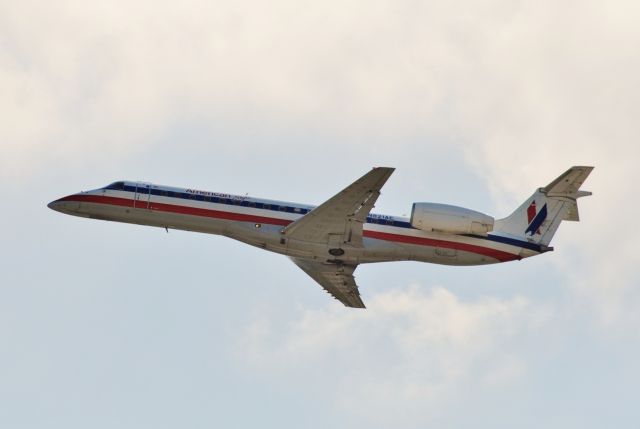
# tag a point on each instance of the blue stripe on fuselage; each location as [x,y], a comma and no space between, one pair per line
[513,242]
[276,207]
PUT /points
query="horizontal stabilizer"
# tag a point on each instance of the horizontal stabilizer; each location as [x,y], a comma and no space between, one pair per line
[568,184]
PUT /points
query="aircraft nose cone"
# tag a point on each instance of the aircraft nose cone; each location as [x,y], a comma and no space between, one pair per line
[67,205]
[56,205]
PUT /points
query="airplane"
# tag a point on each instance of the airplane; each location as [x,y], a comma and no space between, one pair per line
[329,241]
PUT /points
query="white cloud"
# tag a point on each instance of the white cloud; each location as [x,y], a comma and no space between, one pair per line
[525,89]
[411,353]
[568,95]
[109,79]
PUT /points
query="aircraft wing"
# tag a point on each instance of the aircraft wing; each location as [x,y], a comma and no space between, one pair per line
[337,279]
[340,219]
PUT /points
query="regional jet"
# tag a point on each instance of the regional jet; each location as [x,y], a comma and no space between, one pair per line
[329,241]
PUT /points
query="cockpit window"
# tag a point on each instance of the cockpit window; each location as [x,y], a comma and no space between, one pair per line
[118,186]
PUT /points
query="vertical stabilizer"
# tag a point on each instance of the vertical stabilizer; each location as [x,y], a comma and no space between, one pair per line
[539,217]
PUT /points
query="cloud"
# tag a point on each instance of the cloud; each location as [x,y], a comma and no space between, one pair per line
[524,89]
[412,352]
[109,80]
[567,96]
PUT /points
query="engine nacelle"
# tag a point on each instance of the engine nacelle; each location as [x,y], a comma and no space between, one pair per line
[449,219]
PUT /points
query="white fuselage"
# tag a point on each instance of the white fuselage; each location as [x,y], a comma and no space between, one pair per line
[259,222]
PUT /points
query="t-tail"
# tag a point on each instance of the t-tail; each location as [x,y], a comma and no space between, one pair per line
[538,218]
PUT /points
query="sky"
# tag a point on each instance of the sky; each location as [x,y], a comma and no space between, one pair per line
[474,103]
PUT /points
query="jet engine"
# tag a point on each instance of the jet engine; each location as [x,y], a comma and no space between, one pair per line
[449,219]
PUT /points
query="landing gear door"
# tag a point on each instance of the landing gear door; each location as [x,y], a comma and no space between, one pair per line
[141,199]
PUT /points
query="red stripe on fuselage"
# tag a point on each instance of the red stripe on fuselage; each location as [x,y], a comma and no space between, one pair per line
[173,208]
[422,241]
[219,214]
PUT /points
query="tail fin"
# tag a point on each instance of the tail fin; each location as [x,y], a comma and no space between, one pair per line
[538,218]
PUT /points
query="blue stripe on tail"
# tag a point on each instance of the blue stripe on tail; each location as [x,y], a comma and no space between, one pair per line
[537,221]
